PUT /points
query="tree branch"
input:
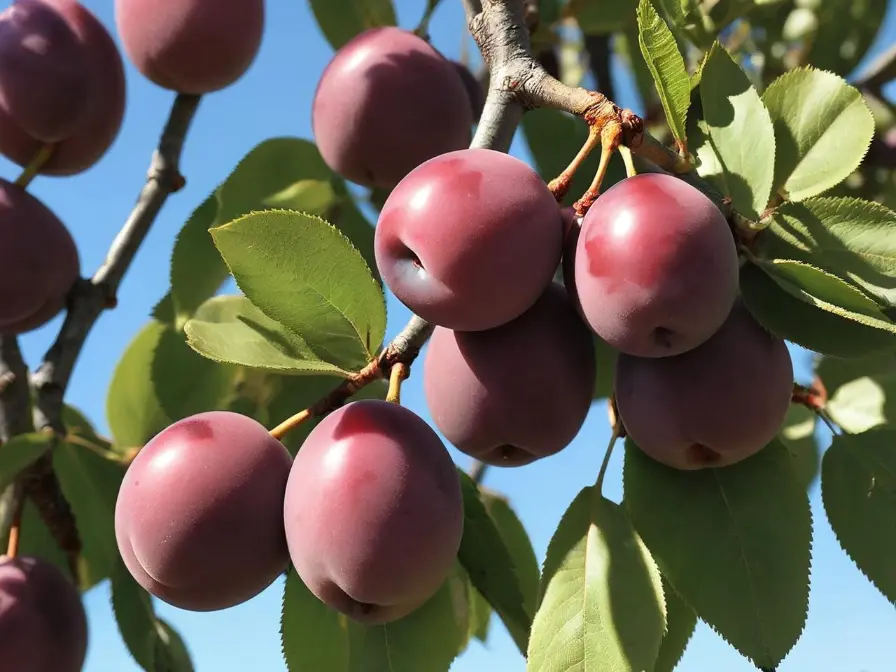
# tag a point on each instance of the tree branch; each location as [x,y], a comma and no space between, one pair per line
[90,297]
[15,418]
[879,72]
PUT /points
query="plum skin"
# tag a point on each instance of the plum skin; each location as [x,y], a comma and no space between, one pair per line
[511,395]
[198,519]
[373,511]
[43,625]
[39,261]
[194,46]
[656,267]
[712,406]
[386,103]
[469,240]
[105,102]
[44,78]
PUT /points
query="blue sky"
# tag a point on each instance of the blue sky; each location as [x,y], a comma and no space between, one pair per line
[850,626]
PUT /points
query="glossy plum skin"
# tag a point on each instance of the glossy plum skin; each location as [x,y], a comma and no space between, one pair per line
[104,103]
[193,46]
[474,89]
[495,401]
[43,626]
[199,515]
[44,78]
[656,268]
[373,511]
[39,261]
[386,103]
[712,406]
[469,240]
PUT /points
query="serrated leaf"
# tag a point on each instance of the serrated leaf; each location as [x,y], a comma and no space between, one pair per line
[846,30]
[313,636]
[737,553]
[516,539]
[341,20]
[480,616]
[837,372]
[822,130]
[865,402]
[858,489]
[681,621]
[231,329]
[20,452]
[666,64]
[798,437]
[171,652]
[486,559]
[134,616]
[37,540]
[804,324]
[740,130]
[305,274]
[602,606]
[605,358]
[849,237]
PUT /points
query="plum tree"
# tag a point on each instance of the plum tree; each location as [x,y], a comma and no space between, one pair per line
[39,261]
[44,76]
[103,104]
[386,103]
[194,46]
[43,627]
[473,87]
[199,516]
[373,511]
[656,268]
[712,406]
[511,395]
[470,239]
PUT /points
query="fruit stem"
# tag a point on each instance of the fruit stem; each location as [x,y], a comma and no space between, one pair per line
[33,168]
[599,484]
[561,184]
[399,373]
[477,471]
[626,153]
[828,421]
[290,424]
[610,139]
[422,28]
[12,546]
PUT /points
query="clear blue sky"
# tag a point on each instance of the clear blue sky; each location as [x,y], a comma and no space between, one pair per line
[850,626]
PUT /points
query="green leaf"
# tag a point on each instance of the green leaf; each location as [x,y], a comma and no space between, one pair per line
[846,30]
[171,652]
[135,616]
[313,636]
[77,423]
[90,484]
[837,372]
[231,329]
[736,551]
[605,357]
[601,17]
[798,437]
[341,20]
[38,541]
[516,539]
[20,452]
[602,606]
[133,409]
[302,272]
[740,131]
[487,560]
[822,130]
[865,402]
[681,621]
[848,237]
[480,616]
[858,489]
[666,64]
[804,324]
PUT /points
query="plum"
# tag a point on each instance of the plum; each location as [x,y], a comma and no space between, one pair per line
[199,516]
[474,89]
[511,395]
[386,103]
[712,406]
[373,511]
[43,626]
[39,261]
[44,75]
[656,268]
[104,102]
[193,46]
[469,240]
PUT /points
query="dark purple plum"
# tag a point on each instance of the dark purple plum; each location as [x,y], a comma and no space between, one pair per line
[656,268]
[193,46]
[43,626]
[373,511]
[712,406]
[473,87]
[470,239]
[39,261]
[199,517]
[517,393]
[386,103]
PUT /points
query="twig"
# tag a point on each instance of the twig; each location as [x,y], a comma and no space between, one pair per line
[15,418]
[477,471]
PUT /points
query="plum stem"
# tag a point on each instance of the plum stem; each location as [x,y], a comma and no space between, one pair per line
[477,471]
[610,139]
[559,186]
[599,484]
[628,160]
[828,421]
[39,160]
[12,546]
[290,424]
[400,372]
[422,28]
